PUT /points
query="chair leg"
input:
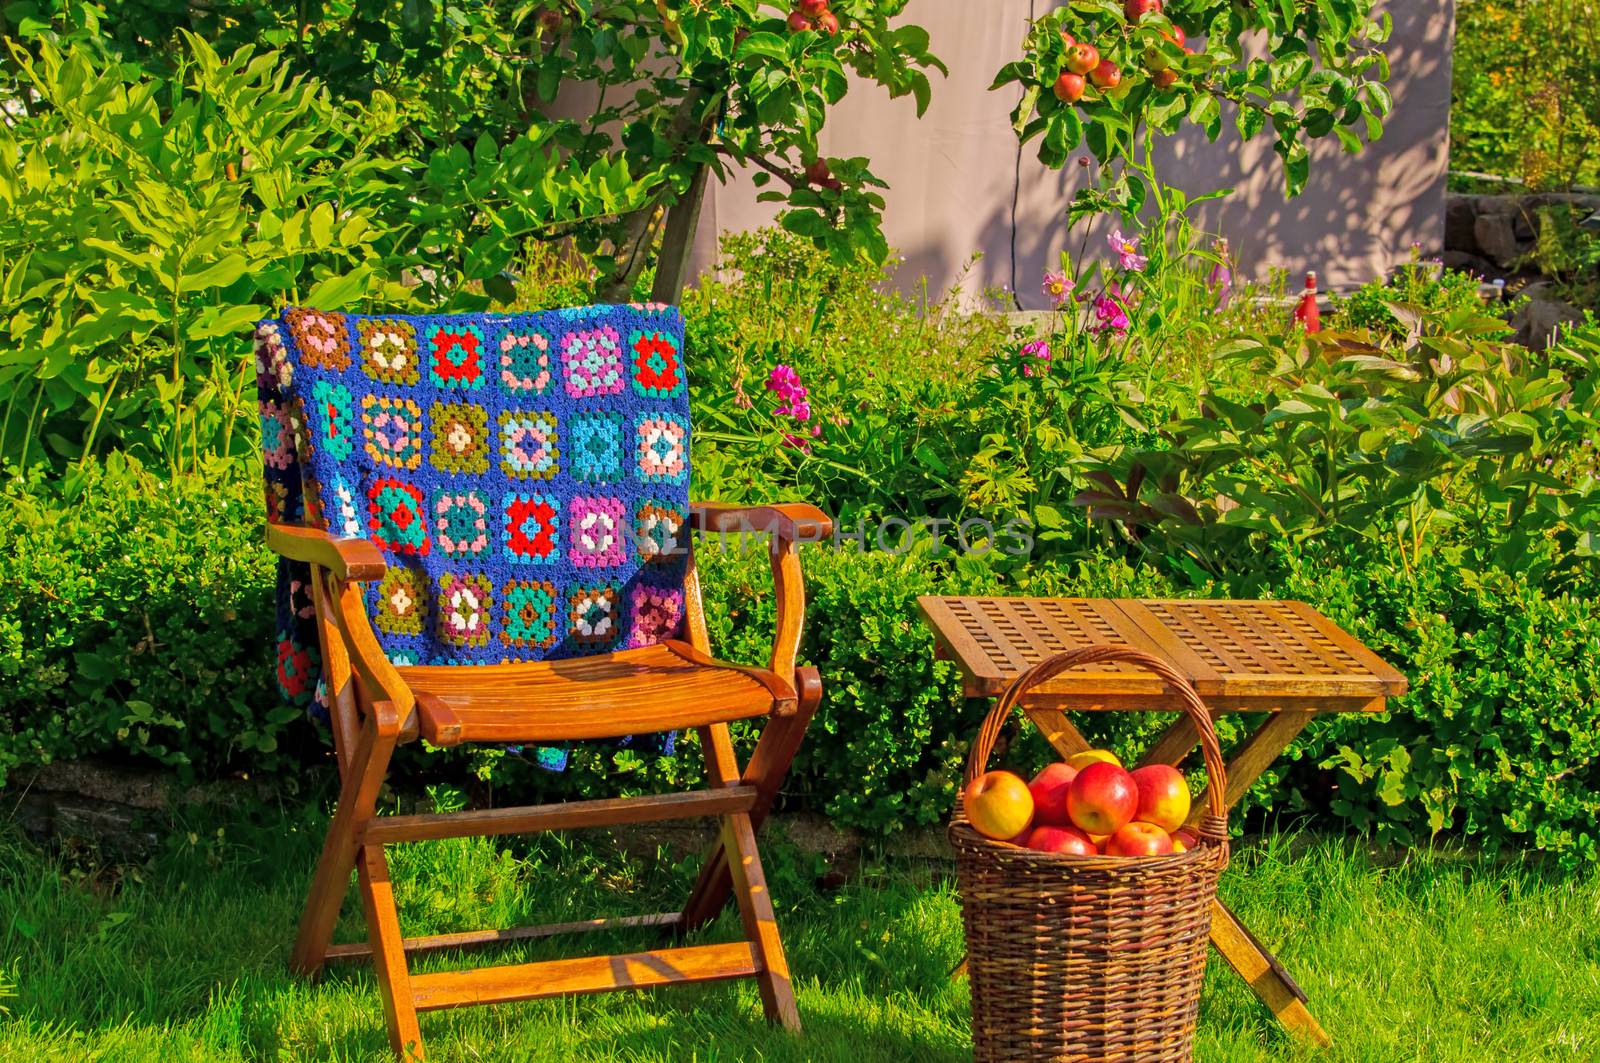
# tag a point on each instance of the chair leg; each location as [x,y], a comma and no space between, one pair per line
[358,798]
[760,921]
[769,763]
[388,953]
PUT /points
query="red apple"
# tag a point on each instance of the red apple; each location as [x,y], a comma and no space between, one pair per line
[1138,9]
[817,171]
[1067,39]
[1082,58]
[998,805]
[1106,76]
[812,7]
[1163,796]
[1164,79]
[1186,837]
[1176,36]
[1049,789]
[799,22]
[1139,839]
[550,21]
[1102,798]
[828,23]
[1068,88]
[1069,840]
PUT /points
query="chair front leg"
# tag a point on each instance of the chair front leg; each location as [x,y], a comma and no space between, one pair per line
[769,764]
[358,799]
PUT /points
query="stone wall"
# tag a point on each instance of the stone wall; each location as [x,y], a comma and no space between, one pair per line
[1494,236]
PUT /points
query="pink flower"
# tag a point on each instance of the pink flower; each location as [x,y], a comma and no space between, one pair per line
[1058,286]
[1127,249]
[1108,315]
[1038,348]
[783,379]
[800,411]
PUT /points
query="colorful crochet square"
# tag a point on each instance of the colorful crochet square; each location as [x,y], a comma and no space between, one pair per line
[661,448]
[599,532]
[460,523]
[657,613]
[592,362]
[657,364]
[400,605]
[455,356]
[322,339]
[594,615]
[389,350]
[465,602]
[460,437]
[277,436]
[531,528]
[660,532]
[335,419]
[596,446]
[393,428]
[524,360]
[531,614]
[529,445]
[395,516]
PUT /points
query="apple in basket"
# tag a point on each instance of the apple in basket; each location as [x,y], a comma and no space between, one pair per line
[998,805]
[1102,798]
[1163,796]
[1092,756]
[1184,840]
[1049,789]
[1068,840]
[1139,839]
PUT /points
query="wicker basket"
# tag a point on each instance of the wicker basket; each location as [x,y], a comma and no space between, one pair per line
[1088,957]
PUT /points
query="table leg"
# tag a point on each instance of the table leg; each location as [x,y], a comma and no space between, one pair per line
[1265,976]
[1059,732]
[1254,755]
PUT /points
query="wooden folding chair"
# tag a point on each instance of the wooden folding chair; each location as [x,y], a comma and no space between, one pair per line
[375,705]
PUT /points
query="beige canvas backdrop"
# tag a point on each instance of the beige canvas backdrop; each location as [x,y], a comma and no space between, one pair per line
[956,185]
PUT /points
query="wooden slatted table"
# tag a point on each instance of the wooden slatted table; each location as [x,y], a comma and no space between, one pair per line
[1283,659]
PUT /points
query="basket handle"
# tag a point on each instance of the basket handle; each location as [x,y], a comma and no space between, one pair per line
[1215,822]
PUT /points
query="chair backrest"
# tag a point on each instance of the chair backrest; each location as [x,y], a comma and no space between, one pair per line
[526,476]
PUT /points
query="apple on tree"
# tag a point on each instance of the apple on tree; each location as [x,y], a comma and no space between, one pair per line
[1082,58]
[1069,87]
[1106,76]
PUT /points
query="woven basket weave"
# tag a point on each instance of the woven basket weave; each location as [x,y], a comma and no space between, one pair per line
[1079,958]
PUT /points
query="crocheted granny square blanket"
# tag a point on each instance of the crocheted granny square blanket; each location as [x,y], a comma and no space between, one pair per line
[525,476]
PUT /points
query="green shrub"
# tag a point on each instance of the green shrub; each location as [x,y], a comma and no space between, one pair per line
[1417,285]
[136,618]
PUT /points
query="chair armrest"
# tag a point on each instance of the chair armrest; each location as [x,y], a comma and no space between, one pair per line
[796,522]
[788,524]
[348,559]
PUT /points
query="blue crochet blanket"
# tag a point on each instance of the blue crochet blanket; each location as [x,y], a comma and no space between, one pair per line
[525,476]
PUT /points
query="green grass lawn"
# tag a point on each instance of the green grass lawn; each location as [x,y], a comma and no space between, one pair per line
[1437,957]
